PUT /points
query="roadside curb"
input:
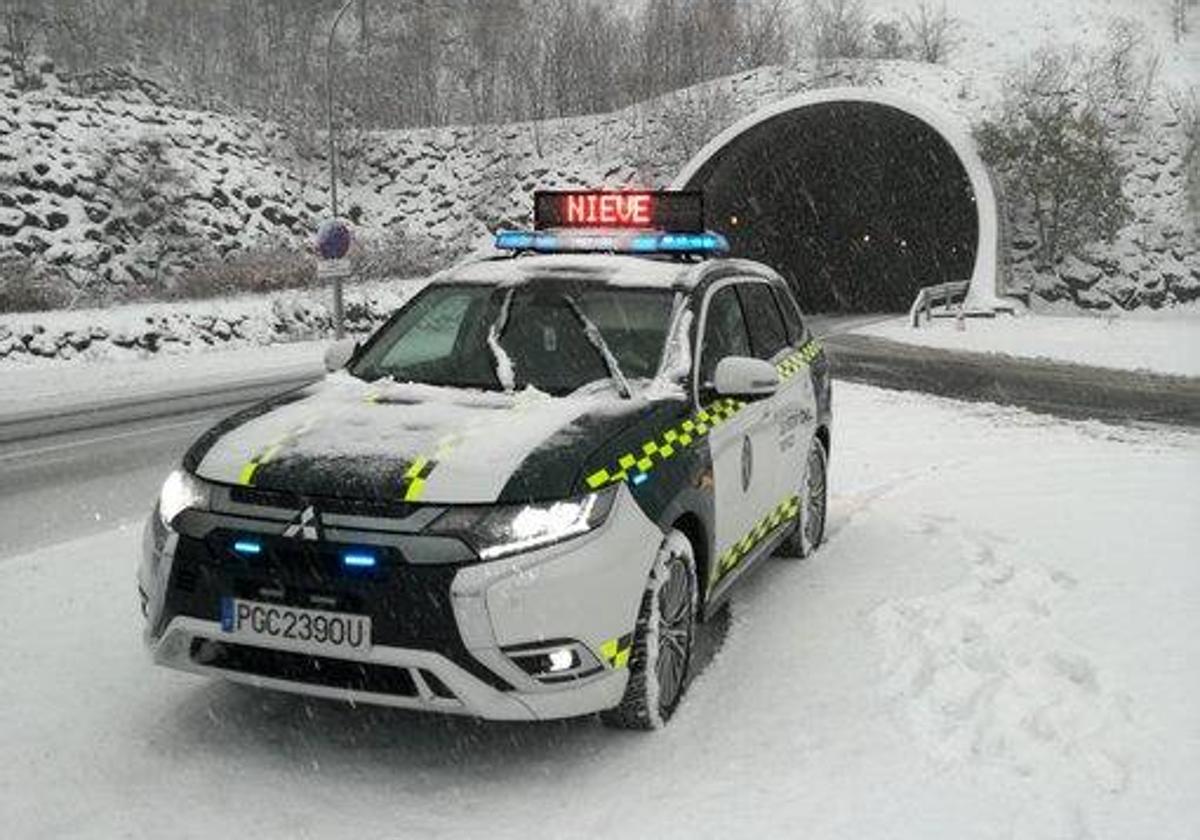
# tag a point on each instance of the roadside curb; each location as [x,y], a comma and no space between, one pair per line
[1058,388]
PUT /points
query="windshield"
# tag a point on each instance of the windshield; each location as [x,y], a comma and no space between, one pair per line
[542,336]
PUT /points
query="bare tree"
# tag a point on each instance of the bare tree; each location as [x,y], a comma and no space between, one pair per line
[1186,105]
[766,32]
[837,28]
[1179,17]
[889,40]
[934,32]
[23,22]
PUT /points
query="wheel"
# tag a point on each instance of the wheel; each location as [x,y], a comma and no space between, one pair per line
[662,641]
[810,530]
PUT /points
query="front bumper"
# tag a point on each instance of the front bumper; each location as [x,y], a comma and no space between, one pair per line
[587,590]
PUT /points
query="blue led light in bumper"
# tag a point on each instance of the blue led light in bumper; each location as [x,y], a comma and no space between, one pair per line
[358,560]
[247,547]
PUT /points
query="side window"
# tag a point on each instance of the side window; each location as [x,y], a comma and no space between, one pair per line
[724,333]
[791,315]
[768,334]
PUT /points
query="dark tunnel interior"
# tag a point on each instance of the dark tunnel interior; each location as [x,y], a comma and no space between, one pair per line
[857,204]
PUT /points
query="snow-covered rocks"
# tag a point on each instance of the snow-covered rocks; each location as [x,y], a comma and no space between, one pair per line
[142,329]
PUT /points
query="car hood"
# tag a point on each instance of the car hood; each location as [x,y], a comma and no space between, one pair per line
[405,442]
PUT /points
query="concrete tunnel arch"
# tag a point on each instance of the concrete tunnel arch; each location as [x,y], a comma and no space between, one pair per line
[804,183]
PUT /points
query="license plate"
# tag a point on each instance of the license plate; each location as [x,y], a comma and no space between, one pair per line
[295,627]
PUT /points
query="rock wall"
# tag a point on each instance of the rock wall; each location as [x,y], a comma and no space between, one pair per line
[110,189]
[183,327]
[1154,261]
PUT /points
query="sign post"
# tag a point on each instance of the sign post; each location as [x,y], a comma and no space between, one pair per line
[333,242]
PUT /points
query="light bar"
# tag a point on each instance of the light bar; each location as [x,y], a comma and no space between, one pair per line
[566,242]
[247,547]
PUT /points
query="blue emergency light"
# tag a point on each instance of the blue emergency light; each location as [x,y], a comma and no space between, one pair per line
[358,560]
[567,241]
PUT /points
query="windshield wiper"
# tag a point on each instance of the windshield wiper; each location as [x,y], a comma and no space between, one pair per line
[596,339]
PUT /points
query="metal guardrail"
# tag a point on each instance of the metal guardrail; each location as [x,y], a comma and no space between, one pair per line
[928,297]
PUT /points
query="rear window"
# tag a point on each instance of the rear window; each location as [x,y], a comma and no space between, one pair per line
[791,315]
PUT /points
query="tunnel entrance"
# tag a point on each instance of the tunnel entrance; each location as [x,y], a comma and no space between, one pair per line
[858,204]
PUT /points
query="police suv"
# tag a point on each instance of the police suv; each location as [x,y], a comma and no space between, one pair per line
[516,499]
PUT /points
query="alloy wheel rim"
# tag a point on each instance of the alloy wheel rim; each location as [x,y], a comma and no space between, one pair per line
[674,631]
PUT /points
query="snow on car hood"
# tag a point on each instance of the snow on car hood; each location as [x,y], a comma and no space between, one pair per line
[346,437]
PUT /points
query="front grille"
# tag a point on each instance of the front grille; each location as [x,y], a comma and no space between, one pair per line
[304,668]
[186,579]
[326,504]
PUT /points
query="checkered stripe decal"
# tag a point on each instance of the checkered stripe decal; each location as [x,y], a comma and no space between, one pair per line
[785,511]
[667,444]
[799,360]
[246,475]
[419,470]
[615,652]
[632,464]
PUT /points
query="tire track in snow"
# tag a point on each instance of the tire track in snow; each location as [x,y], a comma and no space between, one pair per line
[981,673]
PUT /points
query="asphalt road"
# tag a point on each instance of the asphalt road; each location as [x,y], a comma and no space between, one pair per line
[74,474]
[73,484]
[1065,390]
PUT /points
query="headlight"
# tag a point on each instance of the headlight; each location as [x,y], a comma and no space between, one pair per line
[498,531]
[181,491]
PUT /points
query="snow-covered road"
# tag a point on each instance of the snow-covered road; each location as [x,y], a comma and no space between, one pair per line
[998,641]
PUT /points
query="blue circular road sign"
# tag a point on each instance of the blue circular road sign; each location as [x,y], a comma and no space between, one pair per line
[333,239]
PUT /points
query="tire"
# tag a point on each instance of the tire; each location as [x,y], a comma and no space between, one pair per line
[660,661]
[809,532]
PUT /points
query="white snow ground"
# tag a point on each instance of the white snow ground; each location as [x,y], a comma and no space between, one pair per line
[998,641]
[1167,342]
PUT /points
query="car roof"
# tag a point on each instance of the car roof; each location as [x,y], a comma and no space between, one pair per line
[627,271]
[616,269]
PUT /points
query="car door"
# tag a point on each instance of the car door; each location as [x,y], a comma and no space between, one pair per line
[742,441]
[778,341]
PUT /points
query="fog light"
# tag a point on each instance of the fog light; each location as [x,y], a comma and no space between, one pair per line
[554,661]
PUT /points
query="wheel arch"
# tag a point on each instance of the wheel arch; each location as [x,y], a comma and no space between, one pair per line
[692,526]
[823,437]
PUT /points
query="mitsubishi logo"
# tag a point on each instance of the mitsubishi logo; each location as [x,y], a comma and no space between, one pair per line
[306,526]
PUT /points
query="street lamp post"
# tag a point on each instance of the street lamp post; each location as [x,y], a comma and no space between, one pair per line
[339,325]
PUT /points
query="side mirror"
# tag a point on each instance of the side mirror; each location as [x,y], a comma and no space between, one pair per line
[339,354]
[740,376]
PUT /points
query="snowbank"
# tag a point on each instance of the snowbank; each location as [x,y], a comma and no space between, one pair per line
[141,330]
[1168,343]
[997,642]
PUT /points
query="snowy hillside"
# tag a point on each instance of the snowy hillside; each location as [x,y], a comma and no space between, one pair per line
[109,191]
